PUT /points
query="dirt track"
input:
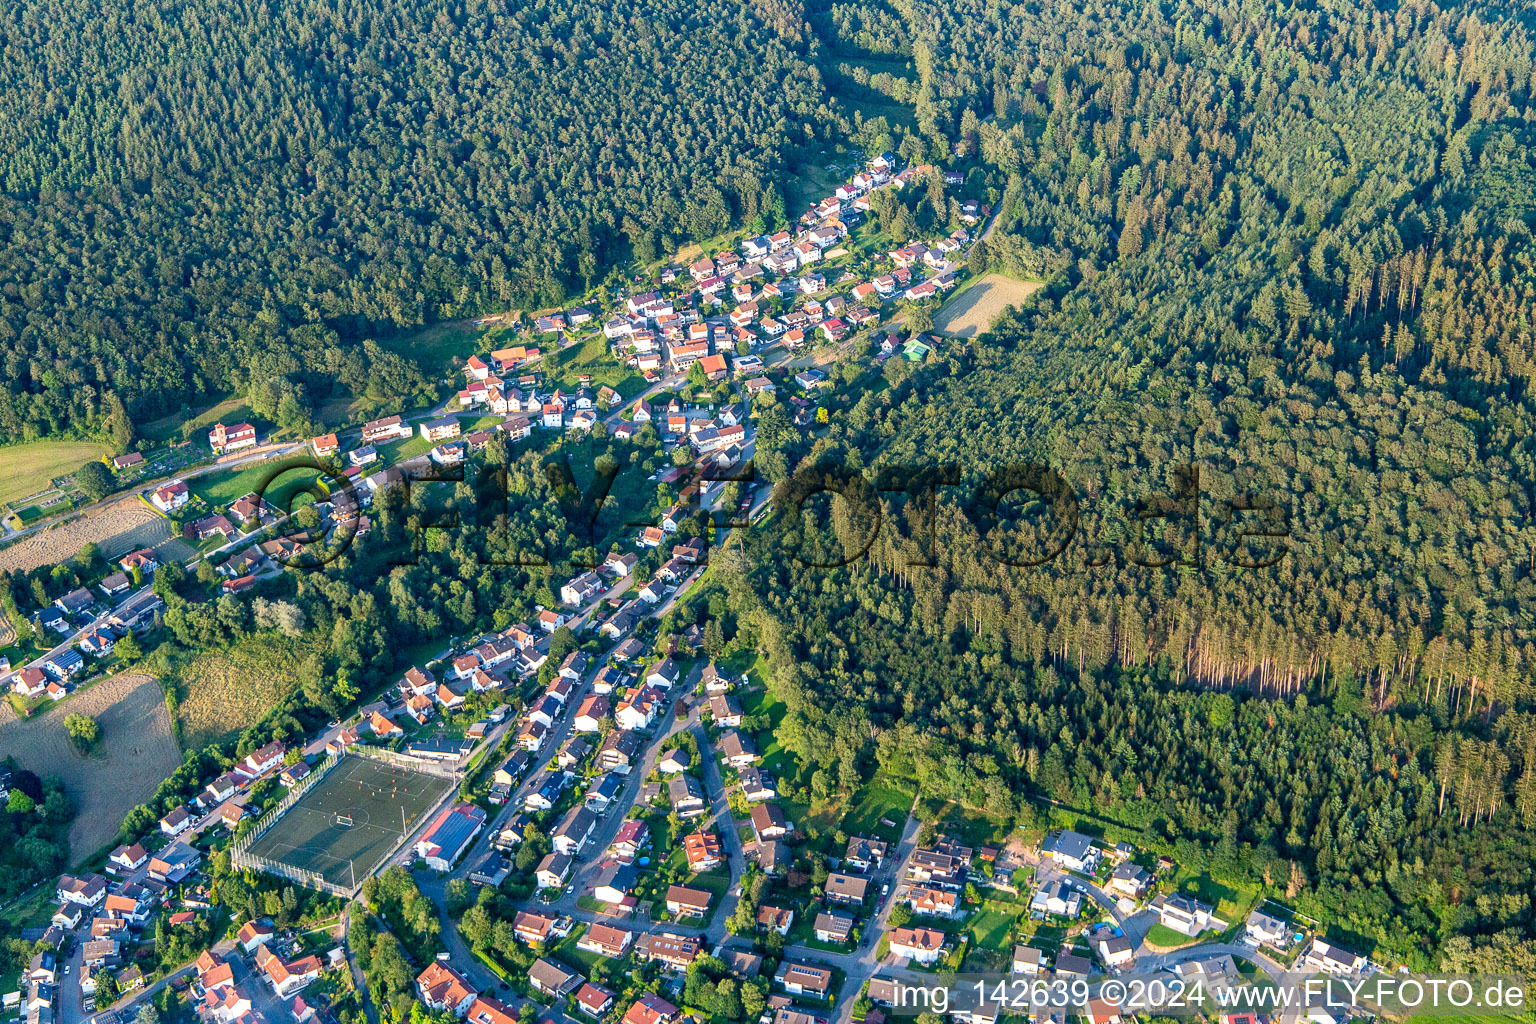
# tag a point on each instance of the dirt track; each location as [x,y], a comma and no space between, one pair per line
[135,754]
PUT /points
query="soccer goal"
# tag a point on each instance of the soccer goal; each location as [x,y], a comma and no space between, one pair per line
[344,820]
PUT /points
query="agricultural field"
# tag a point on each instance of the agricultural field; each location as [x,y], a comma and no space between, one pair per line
[223,690]
[26,469]
[975,308]
[123,526]
[136,752]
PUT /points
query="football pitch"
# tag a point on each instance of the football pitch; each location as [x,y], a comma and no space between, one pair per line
[347,824]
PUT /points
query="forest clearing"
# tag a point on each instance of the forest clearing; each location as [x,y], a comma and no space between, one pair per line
[223,690]
[136,752]
[975,309]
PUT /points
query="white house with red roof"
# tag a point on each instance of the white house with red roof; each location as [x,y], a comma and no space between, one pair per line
[169,497]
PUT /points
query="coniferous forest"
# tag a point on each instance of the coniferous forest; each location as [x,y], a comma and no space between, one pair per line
[209,197]
[1296,257]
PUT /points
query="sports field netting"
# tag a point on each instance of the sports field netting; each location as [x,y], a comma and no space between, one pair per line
[348,824]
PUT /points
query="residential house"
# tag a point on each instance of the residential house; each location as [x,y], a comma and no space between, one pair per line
[593,1000]
[606,940]
[386,429]
[756,785]
[686,796]
[176,822]
[1027,960]
[1070,965]
[532,927]
[802,978]
[1114,950]
[672,951]
[1072,850]
[126,858]
[834,928]
[725,711]
[769,822]
[614,882]
[552,978]
[683,901]
[444,989]
[441,429]
[98,643]
[574,830]
[174,863]
[264,759]
[674,761]
[651,1009]
[1182,914]
[253,934]
[775,919]
[30,682]
[1056,897]
[288,978]
[64,664]
[864,853]
[664,674]
[632,837]
[702,850]
[1268,931]
[88,891]
[848,890]
[920,945]
[1330,959]
[617,752]
[590,716]
[933,902]
[1130,880]
[172,496]
[738,749]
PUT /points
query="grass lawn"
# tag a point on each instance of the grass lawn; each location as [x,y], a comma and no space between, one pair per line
[1043,935]
[980,301]
[28,468]
[232,410]
[1232,902]
[591,357]
[884,797]
[812,182]
[396,452]
[436,347]
[970,827]
[989,927]
[224,487]
[1162,935]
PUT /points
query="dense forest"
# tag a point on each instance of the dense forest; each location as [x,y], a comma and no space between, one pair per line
[1291,251]
[207,197]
